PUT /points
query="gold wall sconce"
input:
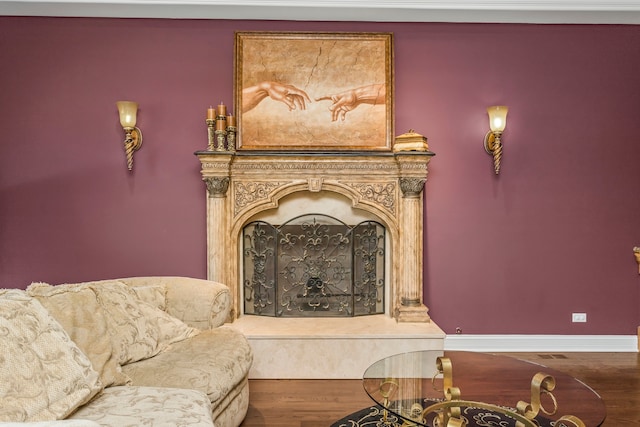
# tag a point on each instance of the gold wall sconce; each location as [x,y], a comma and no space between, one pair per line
[492,140]
[133,136]
[636,253]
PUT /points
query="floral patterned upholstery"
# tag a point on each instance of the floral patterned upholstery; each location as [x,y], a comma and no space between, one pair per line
[126,406]
[138,330]
[43,374]
[163,336]
[215,362]
[59,423]
[203,304]
[77,309]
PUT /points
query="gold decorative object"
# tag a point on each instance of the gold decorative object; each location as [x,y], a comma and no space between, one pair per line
[211,123]
[387,388]
[636,252]
[447,411]
[492,140]
[221,129]
[133,136]
[410,141]
[221,137]
[231,137]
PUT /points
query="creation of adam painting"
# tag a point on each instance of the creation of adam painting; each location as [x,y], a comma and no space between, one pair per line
[314,91]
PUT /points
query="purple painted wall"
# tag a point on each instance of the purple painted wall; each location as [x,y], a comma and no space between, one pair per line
[553,234]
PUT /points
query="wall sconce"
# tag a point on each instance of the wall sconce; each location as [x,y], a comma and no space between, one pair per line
[492,142]
[636,253]
[133,136]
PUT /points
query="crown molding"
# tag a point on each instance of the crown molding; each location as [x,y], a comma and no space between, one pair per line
[498,11]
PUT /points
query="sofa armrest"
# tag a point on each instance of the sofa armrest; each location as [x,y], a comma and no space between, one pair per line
[200,303]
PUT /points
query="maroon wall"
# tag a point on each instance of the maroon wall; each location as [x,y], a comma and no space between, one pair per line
[553,234]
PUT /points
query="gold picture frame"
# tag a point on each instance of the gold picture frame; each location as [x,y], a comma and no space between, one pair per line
[314,91]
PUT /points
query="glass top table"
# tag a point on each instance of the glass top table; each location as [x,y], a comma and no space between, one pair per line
[459,388]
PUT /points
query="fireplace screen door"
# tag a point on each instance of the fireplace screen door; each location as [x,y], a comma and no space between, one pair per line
[313,266]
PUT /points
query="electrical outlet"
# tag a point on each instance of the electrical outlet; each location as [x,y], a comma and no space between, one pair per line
[579,317]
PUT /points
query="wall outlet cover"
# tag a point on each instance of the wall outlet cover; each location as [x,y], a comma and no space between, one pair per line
[579,317]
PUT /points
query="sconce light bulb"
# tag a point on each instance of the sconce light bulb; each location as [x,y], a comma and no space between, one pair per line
[497,117]
[128,111]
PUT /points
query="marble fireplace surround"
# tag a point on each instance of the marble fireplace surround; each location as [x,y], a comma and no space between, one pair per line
[386,186]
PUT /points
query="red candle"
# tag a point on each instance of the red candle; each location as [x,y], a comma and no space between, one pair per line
[231,120]
[211,113]
[222,109]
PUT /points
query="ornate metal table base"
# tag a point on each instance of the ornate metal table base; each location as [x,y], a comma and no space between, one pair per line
[448,411]
[419,388]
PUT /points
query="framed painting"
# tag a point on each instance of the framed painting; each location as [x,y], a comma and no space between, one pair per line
[314,91]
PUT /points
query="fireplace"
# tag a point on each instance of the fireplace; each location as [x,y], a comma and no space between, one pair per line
[313,265]
[246,188]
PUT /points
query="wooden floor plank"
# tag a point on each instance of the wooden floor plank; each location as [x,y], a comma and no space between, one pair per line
[318,403]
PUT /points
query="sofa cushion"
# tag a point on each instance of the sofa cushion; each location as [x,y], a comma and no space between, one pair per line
[214,362]
[203,304]
[43,374]
[138,330]
[77,309]
[148,406]
[152,294]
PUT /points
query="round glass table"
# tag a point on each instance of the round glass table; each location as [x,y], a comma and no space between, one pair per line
[458,388]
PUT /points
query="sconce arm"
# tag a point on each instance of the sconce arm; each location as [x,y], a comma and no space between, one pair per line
[132,143]
[493,146]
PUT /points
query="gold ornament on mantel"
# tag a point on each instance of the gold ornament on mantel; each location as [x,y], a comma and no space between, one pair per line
[636,252]
[221,129]
[410,141]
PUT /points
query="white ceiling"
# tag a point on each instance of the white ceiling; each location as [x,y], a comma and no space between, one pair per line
[520,11]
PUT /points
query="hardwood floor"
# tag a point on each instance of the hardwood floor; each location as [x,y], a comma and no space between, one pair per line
[318,403]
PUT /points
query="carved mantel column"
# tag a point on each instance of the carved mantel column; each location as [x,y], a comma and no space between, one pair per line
[215,171]
[413,175]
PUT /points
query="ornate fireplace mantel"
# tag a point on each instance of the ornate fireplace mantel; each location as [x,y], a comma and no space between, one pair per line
[389,186]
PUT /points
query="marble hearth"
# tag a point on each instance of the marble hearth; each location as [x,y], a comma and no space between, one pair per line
[386,187]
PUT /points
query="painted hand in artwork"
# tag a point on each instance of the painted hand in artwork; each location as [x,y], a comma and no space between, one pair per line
[289,95]
[348,100]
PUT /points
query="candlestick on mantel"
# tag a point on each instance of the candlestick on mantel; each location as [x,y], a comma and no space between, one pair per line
[211,121]
[211,141]
[222,109]
[221,129]
[221,137]
[231,133]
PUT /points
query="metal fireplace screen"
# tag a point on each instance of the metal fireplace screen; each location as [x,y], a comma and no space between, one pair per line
[313,266]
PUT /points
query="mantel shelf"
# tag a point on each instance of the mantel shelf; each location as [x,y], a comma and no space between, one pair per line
[301,153]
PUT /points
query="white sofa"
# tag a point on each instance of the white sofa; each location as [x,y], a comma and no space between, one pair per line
[143,351]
